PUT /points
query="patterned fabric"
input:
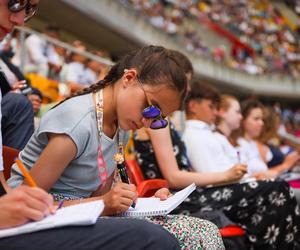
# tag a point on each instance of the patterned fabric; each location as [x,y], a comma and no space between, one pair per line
[267,210]
[192,233]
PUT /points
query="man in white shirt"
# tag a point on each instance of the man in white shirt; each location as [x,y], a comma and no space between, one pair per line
[203,149]
[41,55]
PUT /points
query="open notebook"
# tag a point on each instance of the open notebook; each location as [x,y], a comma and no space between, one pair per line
[154,206]
[75,215]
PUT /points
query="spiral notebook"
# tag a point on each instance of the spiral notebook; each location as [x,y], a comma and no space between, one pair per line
[154,206]
[75,215]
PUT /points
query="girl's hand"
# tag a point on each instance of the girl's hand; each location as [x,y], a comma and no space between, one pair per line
[18,85]
[119,198]
[35,101]
[269,174]
[23,204]
[163,194]
[235,173]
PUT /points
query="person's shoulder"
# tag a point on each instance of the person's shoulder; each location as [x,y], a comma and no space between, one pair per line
[71,111]
[75,66]
[33,38]
[78,105]
[219,136]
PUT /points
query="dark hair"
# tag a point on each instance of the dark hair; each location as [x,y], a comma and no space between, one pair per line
[200,90]
[248,105]
[155,65]
[184,61]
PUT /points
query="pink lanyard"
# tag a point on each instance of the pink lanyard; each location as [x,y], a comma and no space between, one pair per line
[100,159]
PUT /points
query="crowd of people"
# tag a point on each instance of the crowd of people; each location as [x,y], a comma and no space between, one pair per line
[233,151]
[51,61]
[258,24]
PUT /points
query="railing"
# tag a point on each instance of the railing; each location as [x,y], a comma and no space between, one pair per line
[130,24]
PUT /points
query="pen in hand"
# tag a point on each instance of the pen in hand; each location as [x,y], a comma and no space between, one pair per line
[123,174]
[27,176]
[31,182]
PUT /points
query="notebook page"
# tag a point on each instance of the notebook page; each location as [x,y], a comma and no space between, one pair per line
[154,206]
[81,214]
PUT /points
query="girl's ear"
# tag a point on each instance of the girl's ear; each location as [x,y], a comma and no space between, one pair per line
[128,77]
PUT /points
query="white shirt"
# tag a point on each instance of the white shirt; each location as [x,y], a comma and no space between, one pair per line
[251,156]
[89,77]
[204,151]
[38,54]
[36,49]
[75,73]
[233,154]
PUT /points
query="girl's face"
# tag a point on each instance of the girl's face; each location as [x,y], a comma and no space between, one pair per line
[232,117]
[135,97]
[253,123]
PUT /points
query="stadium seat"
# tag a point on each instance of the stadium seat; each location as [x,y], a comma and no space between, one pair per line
[9,155]
[232,231]
[145,188]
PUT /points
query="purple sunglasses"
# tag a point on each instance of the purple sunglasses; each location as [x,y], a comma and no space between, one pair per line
[153,112]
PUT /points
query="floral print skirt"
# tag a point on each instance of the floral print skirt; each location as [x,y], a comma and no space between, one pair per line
[266,210]
[191,232]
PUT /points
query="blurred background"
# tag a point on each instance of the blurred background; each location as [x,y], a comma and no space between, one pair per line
[246,48]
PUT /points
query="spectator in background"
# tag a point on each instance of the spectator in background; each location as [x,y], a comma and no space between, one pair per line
[18,106]
[92,71]
[41,56]
[73,72]
[259,200]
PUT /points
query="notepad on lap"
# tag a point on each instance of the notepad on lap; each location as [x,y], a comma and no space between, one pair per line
[154,206]
[75,215]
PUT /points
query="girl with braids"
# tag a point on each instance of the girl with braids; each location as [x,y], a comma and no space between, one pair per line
[72,153]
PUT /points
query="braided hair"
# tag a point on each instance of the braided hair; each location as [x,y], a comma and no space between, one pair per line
[155,65]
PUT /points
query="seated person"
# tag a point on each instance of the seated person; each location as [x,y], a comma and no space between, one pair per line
[251,129]
[73,73]
[17,109]
[245,204]
[78,151]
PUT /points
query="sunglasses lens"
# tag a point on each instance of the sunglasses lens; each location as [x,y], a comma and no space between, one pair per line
[16,5]
[151,112]
[161,123]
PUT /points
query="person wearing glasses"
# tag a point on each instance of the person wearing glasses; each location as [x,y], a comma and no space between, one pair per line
[72,153]
[17,109]
[24,203]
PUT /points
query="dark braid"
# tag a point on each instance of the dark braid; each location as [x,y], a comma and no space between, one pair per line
[155,65]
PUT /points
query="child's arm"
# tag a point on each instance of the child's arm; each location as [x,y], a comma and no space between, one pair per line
[177,179]
[56,156]
[3,182]
[59,152]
